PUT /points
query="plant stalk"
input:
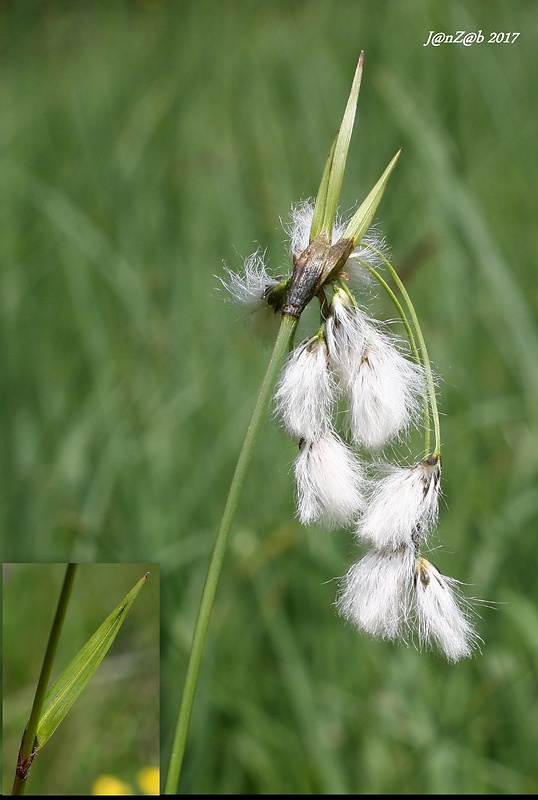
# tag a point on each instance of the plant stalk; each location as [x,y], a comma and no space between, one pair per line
[280,350]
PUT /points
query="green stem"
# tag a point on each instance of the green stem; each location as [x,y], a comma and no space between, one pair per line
[282,344]
[24,761]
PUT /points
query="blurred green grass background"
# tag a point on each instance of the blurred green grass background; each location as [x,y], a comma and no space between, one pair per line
[144,144]
[113,727]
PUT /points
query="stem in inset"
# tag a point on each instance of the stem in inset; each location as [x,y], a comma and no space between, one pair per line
[26,752]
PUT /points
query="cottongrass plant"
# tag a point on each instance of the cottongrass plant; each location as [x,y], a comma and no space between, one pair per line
[353,367]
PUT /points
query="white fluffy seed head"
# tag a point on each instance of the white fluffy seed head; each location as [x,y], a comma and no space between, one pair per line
[403,507]
[301,224]
[345,331]
[442,613]
[251,290]
[385,390]
[397,594]
[306,391]
[250,287]
[299,228]
[376,592]
[330,482]
[370,252]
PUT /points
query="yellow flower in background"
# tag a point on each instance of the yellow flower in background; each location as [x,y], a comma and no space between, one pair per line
[108,784]
[149,780]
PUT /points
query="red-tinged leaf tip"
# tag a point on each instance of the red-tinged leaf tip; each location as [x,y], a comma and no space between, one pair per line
[361,58]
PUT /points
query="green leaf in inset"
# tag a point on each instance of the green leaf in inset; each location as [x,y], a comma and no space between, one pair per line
[65,690]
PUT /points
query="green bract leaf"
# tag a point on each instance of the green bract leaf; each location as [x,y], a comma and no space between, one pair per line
[63,693]
[321,198]
[331,183]
[361,219]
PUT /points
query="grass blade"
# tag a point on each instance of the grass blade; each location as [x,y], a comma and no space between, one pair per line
[68,686]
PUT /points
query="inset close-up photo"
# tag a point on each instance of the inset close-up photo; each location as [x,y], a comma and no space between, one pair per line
[80,664]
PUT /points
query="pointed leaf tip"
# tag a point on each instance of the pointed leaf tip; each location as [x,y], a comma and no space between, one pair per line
[361,220]
[331,182]
[68,686]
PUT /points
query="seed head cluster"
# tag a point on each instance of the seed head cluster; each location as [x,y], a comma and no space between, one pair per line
[344,394]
